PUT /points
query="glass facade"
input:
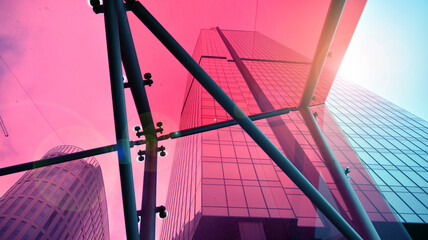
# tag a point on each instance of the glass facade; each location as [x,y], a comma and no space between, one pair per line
[392,144]
[62,201]
[223,186]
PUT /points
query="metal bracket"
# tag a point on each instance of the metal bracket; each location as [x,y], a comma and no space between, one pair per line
[347,171]
[138,129]
[98,8]
[141,153]
[160,129]
[141,156]
[161,210]
[148,81]
[140,133]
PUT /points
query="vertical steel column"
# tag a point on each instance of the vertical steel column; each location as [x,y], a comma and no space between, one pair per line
[133,72]
[121,126]
[221,97]
[361,219]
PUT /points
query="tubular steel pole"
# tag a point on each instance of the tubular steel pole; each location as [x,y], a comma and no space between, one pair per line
[56,160]
[121,126]
[330,25]
[112,148]
[361,219]
[221,97]
[135,80]
[209,127]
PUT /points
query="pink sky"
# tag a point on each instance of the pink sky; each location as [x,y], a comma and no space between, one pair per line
[57,51]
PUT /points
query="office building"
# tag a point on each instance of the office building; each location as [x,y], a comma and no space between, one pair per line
[392,145]
[62,201]
[223,186]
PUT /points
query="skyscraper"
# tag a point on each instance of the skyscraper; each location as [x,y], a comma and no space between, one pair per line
[392,144]
[223,186]
[62,201]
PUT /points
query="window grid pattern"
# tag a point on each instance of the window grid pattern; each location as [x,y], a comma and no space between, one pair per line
[211,44]
[282,83]
[208,45]
[392,144]
[280,71]
[253,45]
[267,72]
[183,200]
[223,173]
[44,209]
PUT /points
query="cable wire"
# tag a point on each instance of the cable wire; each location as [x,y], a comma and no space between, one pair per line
[31,99]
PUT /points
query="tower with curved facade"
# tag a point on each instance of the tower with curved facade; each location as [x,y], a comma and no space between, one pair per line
[62,201]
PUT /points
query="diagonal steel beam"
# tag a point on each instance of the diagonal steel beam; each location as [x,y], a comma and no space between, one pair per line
[279,128]
[112,148]
[359,215]
[214,126]
[361,219]
[56,160]
[252,130]
[327,34]
[121,125]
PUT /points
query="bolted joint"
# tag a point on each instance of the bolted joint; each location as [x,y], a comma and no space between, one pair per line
[148,79]
[141,156]
[139,134]
[315,114]
[138,130]
[347,171]
[94,3]
[141,153]
[162,151]
[96,6]
[161,210]
[160,129]
[98,9]
[148,82]
[147,76]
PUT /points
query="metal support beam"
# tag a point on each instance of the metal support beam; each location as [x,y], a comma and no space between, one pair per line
[121,125]
[214,126]
[56,160]
[136,83]
[112,148]
[361,219]
[253,131]
[330,25]
[359,215]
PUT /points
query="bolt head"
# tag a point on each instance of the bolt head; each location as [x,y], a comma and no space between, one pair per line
[163,214]
[147,75]
[94,3]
